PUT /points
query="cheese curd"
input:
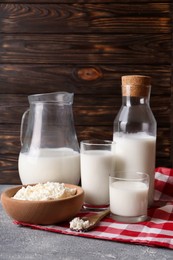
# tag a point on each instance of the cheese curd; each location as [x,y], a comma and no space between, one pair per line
[45,191]
[79,224]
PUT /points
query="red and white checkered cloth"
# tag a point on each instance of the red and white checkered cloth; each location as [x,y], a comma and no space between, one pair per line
[157,231]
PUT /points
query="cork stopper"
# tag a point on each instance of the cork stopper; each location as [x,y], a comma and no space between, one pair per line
[136,85]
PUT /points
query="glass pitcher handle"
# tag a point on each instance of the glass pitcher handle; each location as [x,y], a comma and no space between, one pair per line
[22,124]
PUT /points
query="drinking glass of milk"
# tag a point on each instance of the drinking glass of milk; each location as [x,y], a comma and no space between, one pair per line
[129,197]
[97,162]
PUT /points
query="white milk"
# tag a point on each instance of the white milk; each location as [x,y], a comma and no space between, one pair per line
[136,152]
[54,165]
[128,199]
[96,166]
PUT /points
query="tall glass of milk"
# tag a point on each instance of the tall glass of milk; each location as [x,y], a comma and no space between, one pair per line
[97,163]
[129,197]
[49,146]
[135,130]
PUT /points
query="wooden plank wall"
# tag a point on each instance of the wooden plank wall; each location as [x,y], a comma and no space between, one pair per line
[83,47]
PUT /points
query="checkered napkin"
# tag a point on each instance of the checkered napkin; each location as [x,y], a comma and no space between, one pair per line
[157,231]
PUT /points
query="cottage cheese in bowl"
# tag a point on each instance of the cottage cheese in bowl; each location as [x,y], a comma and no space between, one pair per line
[45,191]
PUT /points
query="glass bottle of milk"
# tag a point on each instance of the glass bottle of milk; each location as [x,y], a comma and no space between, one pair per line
[135,130]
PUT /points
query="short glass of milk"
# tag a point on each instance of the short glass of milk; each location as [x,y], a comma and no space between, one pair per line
[97,164]
[129,197]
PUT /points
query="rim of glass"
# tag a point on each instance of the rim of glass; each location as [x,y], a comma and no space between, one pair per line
[52,97]
[140,176]
[97,142]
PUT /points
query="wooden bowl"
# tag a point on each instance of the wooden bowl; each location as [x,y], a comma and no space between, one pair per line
[45,212]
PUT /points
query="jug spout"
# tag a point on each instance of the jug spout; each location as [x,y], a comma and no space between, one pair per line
[58,97]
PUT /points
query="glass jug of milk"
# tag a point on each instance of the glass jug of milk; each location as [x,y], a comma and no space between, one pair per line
[49,146]
[135,130]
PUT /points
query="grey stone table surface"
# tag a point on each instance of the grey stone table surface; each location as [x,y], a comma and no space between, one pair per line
[24,243]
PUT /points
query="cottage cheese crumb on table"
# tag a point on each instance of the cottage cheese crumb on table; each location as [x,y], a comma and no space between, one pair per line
[78,224]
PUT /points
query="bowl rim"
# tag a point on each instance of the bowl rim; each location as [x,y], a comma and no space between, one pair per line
[79,192]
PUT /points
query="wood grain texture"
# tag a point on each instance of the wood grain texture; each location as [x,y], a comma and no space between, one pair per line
[81,79]
[88,49]
[88,110]
[85,18]
[90,1]
[83,47]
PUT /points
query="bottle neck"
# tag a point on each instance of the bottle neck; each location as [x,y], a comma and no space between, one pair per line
[135,101]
